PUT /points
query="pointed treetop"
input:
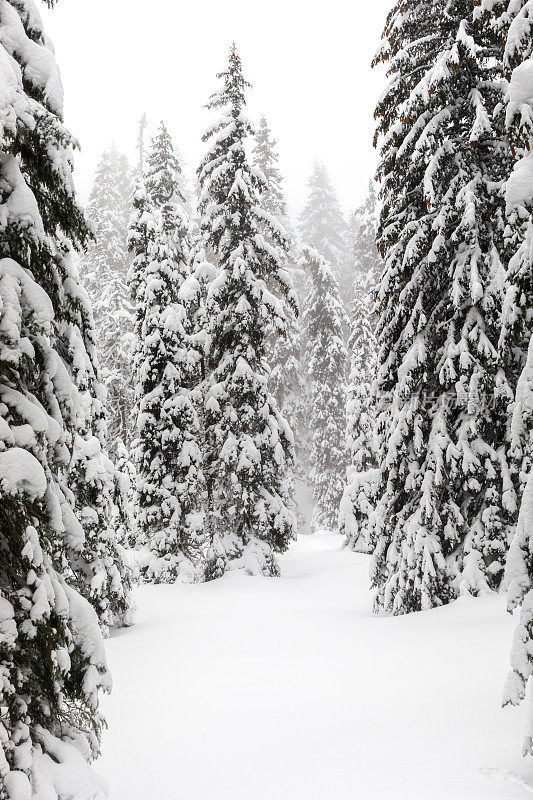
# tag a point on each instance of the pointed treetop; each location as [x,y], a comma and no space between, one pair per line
[322,222]
[140,141]
[266,158]
[233,91]
[163,169]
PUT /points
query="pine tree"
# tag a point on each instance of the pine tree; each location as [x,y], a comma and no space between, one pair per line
[104,270]
[99,569]
[52,660]
[247,442]
[286,382]
[123,503]
[446,503]
[366,260]
[143,124]
[322,226]
[167,363]
[323,321]
[358,500]
[519,566]
[267,159]
[283,351]
[515,25]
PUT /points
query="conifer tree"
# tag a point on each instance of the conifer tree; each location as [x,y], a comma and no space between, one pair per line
[123,503]
[247,442]
[515,25]
[52,660]
[141,148]
[366,260]
[519,565]
[99,569]
[358,500]
[283,350]
[167,455]
[104,270]
[322,226]
[323,320]
[267,159]
[446,504]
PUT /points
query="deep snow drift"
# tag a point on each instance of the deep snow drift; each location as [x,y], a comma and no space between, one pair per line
[289,689]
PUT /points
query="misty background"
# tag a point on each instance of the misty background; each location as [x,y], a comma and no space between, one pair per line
[309,65]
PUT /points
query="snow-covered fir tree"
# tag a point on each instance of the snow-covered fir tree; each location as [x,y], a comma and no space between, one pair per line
[447,502]
[141,147]
[366,261]
[358,500]
[248,444]
[52,660]
[322,226]
[100,571]
[104,271]
[167,363]
[327,363]
[516,26]
[286,383]
[283,350]
[123,497]
[266,157]
[519,565]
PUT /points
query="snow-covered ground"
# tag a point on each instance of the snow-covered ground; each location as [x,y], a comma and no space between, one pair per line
[260,689]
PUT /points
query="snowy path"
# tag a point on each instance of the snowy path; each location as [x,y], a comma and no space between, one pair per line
[256,689]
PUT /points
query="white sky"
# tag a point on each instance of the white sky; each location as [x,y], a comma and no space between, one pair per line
[309,64]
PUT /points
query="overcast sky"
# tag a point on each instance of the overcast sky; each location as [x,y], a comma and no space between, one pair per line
[309,64]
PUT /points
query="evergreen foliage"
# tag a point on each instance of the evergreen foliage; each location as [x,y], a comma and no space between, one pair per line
[358,500]
[141,147]
[283,349]
[519,566]
[267,159]
[517,313]
[123,501]
[322,226]
[52,660]
[104,271]
[167,363]
[248,445]
[323,320]
[100,572]
[515,25]
[447,502]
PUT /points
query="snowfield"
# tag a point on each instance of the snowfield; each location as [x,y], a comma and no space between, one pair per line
[263,689]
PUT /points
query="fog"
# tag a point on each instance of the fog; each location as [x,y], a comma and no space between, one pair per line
[309,65]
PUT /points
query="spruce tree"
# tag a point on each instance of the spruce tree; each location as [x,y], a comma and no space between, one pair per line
[515,25]
[366,261]
[52,660]
[104,271]
[247,442]
[446,502]
[323,320]
[519,565]
[167,362]
[322,226]
[267,159]
[358,500]
[123,502]
[141,147]
[99,569]
[283,349]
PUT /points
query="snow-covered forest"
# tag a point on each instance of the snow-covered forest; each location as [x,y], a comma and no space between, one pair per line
[266,472]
